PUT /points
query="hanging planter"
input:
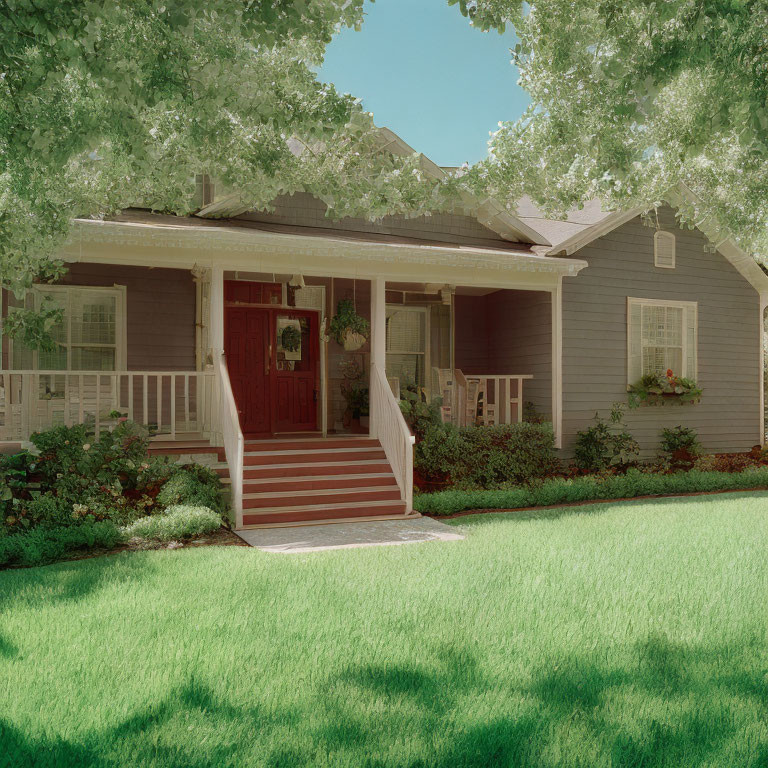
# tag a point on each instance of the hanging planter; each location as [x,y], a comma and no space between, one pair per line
[347,328]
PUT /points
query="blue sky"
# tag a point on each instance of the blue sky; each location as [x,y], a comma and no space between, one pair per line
[424,72]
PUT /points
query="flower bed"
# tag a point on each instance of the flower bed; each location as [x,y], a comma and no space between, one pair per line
[77,492]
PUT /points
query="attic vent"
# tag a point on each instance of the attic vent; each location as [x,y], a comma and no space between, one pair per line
[664,250]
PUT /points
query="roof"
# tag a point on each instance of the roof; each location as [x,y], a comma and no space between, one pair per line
[488,212]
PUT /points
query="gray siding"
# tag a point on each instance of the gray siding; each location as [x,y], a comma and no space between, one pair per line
[303,210]
[595,337]
[508,332]
[160,312]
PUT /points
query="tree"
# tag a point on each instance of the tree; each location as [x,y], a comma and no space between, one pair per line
[105,104]
[631,98]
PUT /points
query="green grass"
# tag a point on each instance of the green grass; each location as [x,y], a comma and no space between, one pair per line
[626,634]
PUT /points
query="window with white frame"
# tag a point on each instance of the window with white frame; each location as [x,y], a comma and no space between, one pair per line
[661,336]
[89,337]
[407,346]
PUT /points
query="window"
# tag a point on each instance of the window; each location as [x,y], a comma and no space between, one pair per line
[664,250]
[407,349]
[90,336]
[661,335]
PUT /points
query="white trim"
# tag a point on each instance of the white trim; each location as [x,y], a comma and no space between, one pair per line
[557,363]
[259,250]
[687,307]
[590,234]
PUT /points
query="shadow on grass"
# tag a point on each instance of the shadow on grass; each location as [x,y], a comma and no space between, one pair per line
[593,507]
[669,705]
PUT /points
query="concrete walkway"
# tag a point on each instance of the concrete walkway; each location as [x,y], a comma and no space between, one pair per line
[377,533]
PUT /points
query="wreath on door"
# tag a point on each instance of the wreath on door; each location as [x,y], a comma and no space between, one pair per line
[290,338]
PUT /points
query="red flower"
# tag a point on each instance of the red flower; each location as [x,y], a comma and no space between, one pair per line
[670,375]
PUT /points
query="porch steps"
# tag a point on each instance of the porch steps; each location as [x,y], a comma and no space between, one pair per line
[314,480]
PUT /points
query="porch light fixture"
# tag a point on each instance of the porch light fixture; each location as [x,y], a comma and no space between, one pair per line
[297,281]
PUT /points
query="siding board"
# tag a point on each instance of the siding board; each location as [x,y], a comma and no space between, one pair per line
[595,341]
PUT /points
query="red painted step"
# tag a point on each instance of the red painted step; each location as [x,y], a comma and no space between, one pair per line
[254,472]
[352,496]
[310,444]
[337,513]
[319,483]
[302,457]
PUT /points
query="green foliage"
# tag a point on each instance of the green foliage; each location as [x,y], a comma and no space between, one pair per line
[104,106]
[630,99]
[418,414]
[46,545]
[177,522]
[680,438]
[346,320]
[658,389]
[591,488]
[486,456]
[192,485]
[606,444]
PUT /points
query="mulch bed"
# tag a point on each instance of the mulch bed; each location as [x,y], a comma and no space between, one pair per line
[592,502]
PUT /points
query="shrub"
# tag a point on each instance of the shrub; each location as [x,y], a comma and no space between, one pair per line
[179,522]
[46,545]
[681,447]
[606,444]
[563,491]
[487,456]
[193,485]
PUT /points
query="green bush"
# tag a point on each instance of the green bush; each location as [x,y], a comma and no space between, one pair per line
[606,444]
[487,456]
[180,522]
[43,545]
[193,485]
[564,491]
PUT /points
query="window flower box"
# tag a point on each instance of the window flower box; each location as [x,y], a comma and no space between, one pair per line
[660,389]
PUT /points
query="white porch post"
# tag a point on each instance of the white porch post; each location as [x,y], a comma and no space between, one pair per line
[378,334]
[217,309]
[761,417]
[557,362]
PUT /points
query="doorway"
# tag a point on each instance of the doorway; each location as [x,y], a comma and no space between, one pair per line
[272,359]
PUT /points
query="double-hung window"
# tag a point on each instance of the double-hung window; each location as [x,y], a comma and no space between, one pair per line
[407,347]
[661,336]
[89,337]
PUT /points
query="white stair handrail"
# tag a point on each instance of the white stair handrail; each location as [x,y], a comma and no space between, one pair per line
[390,428]
[232,436]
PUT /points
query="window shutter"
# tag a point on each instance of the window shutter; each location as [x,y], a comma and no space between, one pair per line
[691,342]
[664,250]
[634,341]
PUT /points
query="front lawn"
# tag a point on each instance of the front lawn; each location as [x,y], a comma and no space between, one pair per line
[627,634]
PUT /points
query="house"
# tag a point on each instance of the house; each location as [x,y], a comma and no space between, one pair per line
[214,330]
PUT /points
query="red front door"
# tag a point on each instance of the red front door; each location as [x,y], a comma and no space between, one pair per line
[272,361]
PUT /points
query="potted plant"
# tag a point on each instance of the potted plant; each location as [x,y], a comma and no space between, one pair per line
[657,389]
[347,327]
[355,393]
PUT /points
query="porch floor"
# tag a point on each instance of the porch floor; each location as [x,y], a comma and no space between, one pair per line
[318,538]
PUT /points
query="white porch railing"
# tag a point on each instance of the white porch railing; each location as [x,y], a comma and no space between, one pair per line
[393,433]
[168,402]
[485,398]
[232,435]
